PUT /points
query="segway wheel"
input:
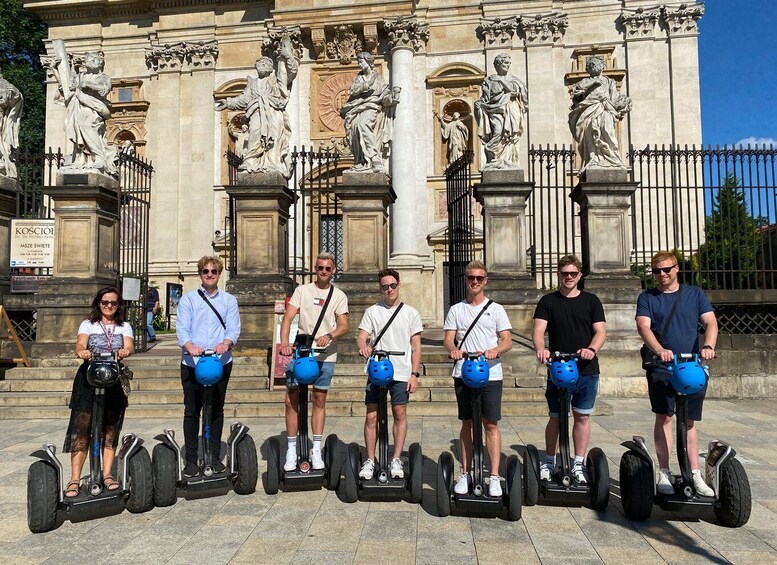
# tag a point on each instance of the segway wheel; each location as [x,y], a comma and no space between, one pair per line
[332,461]
[247,466]
[514,488]
[734,499]
[599,474]
[416,473]
[141,482]
[531,475]
[273,466]
[444,483]
[164,463]
[42,497]
[349,487]
[636,478]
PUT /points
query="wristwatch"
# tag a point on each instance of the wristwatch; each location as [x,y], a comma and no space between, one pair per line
[416,374]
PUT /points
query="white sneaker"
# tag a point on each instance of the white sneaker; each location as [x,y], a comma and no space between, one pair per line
[700,486]
[368,470]
[291,460]
[665,482]
[315,460]
[462,485]
[397,471]
[546,471]
[494,486]
[580,474]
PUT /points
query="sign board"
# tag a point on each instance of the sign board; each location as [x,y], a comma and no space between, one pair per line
[279,361]
[130,289]
[173,294]
[27,284]
[32,243]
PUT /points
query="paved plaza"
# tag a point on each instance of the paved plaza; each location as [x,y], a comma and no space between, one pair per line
[317,527]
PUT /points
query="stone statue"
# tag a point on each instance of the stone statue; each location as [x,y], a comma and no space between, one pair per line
[596,105]
[85,93]
[11,105]
[500,113]
[456,134]
[369,116]
[264,100]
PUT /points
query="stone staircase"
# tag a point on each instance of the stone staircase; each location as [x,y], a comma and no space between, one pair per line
[43,391]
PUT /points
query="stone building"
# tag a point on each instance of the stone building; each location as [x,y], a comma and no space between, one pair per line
[170,59]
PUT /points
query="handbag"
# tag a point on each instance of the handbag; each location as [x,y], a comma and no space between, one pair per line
[125,376]
[649,358]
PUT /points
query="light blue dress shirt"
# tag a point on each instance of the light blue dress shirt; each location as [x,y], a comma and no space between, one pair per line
[198,324]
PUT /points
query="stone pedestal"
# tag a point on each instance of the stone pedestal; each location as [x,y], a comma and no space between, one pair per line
[8,190]
[262,203]
[604,196]
[86,255]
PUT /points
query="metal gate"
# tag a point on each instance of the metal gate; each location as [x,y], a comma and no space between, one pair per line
[461,227]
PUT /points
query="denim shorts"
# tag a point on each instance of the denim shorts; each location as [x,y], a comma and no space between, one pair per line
[583,395]
[398,389]
[326,371]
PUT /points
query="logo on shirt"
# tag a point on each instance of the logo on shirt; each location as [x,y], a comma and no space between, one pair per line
[318,302]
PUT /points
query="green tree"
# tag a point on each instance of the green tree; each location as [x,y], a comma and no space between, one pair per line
[727,258]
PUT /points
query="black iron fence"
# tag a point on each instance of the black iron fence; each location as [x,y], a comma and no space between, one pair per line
[461,228]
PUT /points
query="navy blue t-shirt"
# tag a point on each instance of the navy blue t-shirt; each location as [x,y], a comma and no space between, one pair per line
[682,335]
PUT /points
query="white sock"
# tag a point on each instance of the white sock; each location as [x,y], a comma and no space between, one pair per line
[292,443]
[578,459]
[317,441]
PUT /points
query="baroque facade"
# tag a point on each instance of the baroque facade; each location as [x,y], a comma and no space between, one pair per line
[170,59]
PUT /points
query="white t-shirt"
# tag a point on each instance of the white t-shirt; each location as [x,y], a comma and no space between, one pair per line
[484,335]
[309,299]
[99,335]
[397,337]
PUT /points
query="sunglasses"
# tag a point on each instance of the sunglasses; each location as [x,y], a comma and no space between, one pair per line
[570,274]
[324,268]
[392,286]
[111,303]
[474,278]
[665,270]
[210,272]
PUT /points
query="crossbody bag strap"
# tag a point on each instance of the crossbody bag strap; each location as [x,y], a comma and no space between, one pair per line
[671,314]
[202,295]
[475,321]
[323,311]
[391,319]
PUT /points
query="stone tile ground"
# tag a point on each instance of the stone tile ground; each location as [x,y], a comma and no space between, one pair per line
[316,527]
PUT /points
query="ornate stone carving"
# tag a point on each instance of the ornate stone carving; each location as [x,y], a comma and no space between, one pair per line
[370,38]
[345,44]
[640,22]
[318,37]
[176,56]
[406,31]
[272,45]
[543,28]
[682,20]
[11,105]
[337,146]
[498,32]
[331,97]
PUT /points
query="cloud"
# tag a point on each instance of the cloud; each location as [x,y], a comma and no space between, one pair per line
[753,141]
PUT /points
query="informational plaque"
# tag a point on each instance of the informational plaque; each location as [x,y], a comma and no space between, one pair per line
[32,243]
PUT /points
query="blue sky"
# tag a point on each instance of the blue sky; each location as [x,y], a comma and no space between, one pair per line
[738,71]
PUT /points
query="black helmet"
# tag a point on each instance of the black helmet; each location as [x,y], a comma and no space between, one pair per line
[102,373]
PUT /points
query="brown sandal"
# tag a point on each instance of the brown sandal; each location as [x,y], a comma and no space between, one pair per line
[110,483]
[73,489]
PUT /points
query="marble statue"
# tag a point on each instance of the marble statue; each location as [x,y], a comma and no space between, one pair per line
[456,134]
[500,112]
[369,116]
[266,148]
[596,105]
[85,92]
[11,104]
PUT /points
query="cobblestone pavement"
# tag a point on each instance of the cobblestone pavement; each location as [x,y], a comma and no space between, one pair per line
[317,527]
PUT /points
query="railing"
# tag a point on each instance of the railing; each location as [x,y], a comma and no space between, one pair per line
[461,227]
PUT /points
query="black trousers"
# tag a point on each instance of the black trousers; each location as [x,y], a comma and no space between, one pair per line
[193,395]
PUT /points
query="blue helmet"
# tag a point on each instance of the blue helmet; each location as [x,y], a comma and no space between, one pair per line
[305,369]
[208,370]
[564,374]
[474,373]
[689,377]
[380,372]
[102,373]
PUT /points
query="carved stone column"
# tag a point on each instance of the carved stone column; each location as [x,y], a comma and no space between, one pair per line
[8,189]
[262,203]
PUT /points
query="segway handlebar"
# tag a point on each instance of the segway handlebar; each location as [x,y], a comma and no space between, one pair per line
[473,355]
[559,356]
[309,350]
[104,355]
[385,353]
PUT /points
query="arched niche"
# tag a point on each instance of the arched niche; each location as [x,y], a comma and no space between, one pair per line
[231,124]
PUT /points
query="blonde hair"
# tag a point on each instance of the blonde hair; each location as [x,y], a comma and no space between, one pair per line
[662,256]
[475,265]
[208,260]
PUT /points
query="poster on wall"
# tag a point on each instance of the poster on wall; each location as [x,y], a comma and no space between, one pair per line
[173,297]
[32,243]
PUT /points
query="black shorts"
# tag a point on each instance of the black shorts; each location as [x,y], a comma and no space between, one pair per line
[491,400]
[663,396]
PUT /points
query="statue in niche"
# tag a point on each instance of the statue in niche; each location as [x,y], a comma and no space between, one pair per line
[264,100]
[11,105]
[85,93]
[596,105]
[500,112]
[369,116]
[456,134]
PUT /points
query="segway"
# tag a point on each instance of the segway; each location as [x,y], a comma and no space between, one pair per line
[723,472]
[304,477]
[45,495]
[241,471]
[474,374]
[561,489]
[382,486]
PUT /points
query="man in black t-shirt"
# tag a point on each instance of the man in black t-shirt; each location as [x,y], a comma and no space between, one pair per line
[574,320]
